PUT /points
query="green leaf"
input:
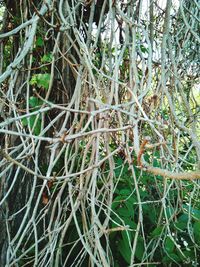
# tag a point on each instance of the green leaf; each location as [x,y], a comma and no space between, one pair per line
[130,222]
[147,157]
[183,218]
[119,161]
[157,231]
[124,247]
[169,212]
[35,102]
[145,179]
[115,223]
[170,258]
[122,211]
[34,125]
[152,214]
[123,207]
[24,122]
[182,221]
[169,245]
[39,41]
[94,71]
[126,236]
[32,120]
[129,204]
[33,80]
[196,229]
[37,128]
[181,225]
[41,80]
[156,159]
[187,254]
[46,58]
[125,192]
[117,202]
[139,249]
[196,214]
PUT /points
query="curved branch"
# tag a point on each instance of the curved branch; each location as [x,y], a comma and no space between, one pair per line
[173,175]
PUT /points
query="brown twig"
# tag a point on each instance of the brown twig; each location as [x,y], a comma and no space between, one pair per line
[141,151]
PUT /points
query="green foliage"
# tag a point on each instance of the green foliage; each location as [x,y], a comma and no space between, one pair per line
[39,41]
[124,246]
[169,245]
[34,121]
[35,102]
[41,80]
[196,229]
[157,232]
[46,58]
[125,213]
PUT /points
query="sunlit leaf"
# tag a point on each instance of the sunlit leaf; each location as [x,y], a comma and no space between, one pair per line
[169,244]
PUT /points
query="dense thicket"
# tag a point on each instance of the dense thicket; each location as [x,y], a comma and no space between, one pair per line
[99,133]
